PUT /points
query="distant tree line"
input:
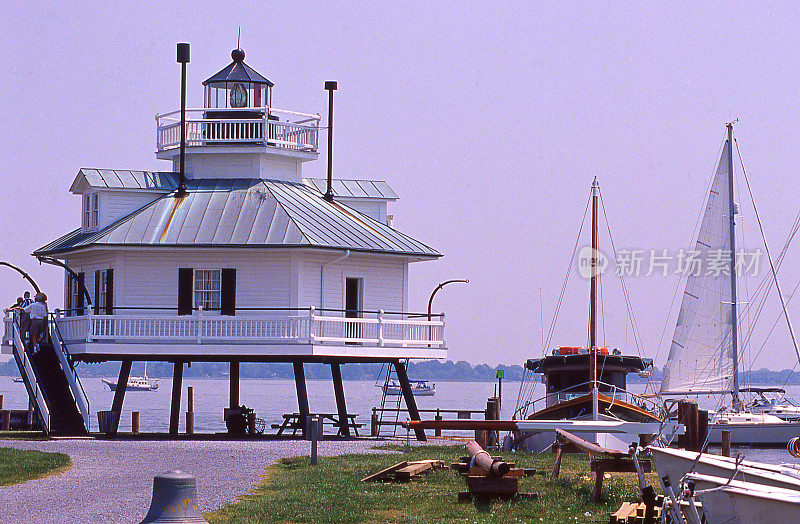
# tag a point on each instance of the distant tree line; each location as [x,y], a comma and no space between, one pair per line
[432,370]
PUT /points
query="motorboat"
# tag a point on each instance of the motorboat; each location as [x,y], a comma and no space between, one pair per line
[135,383]
[420,388]
[772,401]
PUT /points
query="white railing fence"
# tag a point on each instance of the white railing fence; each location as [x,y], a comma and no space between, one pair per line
[274,127]
[302,327]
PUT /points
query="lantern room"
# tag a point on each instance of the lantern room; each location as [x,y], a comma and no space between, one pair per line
[237,86]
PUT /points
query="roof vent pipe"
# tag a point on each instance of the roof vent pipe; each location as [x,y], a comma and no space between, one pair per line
[330,87]
[183,59]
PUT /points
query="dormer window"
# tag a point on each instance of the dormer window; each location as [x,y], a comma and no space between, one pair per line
[86,211]
[95,210]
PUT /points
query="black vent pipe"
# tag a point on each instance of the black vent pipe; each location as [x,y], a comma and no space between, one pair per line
[183,59]
[330,87]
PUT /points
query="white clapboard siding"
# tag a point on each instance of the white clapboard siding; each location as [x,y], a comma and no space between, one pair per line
[117,204]
[385,283]
[241,165]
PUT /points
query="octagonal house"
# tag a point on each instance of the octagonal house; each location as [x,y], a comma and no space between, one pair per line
[250,263]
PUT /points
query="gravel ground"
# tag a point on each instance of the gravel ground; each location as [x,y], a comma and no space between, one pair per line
[112,481]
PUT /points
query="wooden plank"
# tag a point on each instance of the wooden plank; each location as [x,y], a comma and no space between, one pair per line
[384,472]
[406,472]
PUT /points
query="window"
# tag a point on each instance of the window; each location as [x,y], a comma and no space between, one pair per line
[102,298]
[95,209]
[207,288]
[86,211]
[72,299]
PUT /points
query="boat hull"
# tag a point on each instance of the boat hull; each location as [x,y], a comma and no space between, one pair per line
[745,502]
[675,463]
[763,433]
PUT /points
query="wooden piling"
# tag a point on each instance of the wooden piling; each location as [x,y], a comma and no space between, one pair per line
[688,415]
[437,432]
[726,443]
[1,401]
[6,414]
[373,427]
[189,410]
[702,429]
[135,422]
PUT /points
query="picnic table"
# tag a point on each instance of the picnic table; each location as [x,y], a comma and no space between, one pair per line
[294,422]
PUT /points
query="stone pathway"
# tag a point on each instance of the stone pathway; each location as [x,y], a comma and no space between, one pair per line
[112,480]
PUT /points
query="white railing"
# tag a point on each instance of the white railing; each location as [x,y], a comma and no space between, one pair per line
[23,362]
[300,327]
[272,127]
[75,386]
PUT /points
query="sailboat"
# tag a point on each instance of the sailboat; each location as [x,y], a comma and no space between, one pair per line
[135,383]
[587,383]
[704,355]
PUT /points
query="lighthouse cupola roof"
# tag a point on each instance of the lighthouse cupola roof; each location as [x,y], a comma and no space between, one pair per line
[238,71]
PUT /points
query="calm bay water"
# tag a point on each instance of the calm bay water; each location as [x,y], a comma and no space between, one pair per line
[272,397]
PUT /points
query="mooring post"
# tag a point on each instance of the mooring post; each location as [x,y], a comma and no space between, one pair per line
[6,419]
[438,431]
[1,401]
[190,410]
[702,429]
[314,437]
[726,443]
[135,422]
[373,426]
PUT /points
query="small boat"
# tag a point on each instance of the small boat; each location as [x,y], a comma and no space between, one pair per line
[677,463]
[19,380]
[736,501]
[135,383]
[420,388]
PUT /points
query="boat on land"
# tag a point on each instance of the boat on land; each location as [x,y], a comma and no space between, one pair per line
[704,354]
[136,383]
[420,388]
[736,501]
[586,383]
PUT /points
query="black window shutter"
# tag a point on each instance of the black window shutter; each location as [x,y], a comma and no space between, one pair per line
[70,305]
[228,292]
[97,292]
[185,290]
[81,298]
[109,291]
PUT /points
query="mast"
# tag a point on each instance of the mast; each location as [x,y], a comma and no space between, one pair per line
[593,300]
[736,404]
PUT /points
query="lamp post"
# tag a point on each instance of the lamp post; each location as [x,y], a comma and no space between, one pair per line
[440,286]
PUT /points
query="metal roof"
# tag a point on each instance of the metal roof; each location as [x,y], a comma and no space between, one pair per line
[367,189]
[238,71]
[247,213]
[122,179]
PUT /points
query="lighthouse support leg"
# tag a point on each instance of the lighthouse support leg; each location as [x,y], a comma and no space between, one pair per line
[119,392]
[408,396]
[177,384]
[302,396]
[338,389]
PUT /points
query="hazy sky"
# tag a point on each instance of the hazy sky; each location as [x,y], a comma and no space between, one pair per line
[489,121]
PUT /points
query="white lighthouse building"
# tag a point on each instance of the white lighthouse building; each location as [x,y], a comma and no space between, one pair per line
[249,263]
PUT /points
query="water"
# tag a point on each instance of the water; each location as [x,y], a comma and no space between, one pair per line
[272,397]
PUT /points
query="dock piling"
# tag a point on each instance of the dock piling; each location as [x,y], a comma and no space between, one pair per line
[6,419]
[315,427]
[190,410]
[135,422]
[726,443]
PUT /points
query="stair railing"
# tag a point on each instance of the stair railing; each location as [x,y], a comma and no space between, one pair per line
[70,373]
[29,376]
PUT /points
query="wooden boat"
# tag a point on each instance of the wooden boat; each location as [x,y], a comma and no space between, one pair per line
[587,383]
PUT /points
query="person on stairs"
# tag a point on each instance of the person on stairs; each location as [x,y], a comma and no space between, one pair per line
[38,312]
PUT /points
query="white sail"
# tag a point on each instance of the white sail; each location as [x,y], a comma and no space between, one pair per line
[701,356]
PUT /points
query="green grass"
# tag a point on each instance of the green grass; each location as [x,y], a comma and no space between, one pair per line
[22,435]
[18,465]
[294,491]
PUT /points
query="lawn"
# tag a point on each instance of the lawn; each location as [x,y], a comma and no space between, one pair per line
[18,466]
[294,491]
